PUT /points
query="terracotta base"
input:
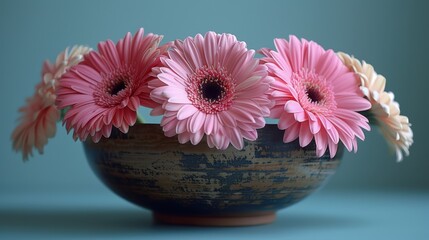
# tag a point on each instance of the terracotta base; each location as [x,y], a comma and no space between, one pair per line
[225,221]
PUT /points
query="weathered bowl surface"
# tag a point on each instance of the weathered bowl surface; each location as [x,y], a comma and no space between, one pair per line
[187,184]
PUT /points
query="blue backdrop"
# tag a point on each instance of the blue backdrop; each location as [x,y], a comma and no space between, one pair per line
[391,35]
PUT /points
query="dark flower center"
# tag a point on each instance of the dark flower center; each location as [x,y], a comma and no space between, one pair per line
[212,90]
[314,95]
[314,92]
[117,87]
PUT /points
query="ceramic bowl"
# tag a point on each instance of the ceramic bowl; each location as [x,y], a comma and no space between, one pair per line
[198,185]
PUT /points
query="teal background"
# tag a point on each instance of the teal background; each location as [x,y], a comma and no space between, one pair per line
[370,196]
[391,35]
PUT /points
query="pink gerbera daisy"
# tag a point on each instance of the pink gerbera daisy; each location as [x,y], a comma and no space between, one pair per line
[39,116]
[108,86]
[316,96]
[211,86]
[37,125]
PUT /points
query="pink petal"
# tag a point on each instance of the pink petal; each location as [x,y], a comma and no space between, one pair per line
[172,106]
[184,137]
[186,111]
[170,80]
[124,102]
[130,117]
[196,137]
[281,45]
[134,103]
[178,69]
[209,124]
[330,66]
[342,126]
[286,120]
[178,58]
[241,73]
[117,119]
[305,135]
[332,149]
[321,143]
[248,82]
[157,111]
[281,94]
[81,88]
[276,111]
[353,103]
[96,137]
[217,140]
[248,106]
[345,83]
[330,129]
[301,116]
[98,62]
[266,52]
[314,123]
[250,135]
[355,145]
[283,65]
[180,100]
[196,122]
[241,115]
[192,54]
[314,51]
[295,54]
[124,128]
[293,107]
[210,48]
[124,45]
[210,142]
[136,40]
[346,140]
[291,133]
[109,51]
[259,122]
[85,73]
[181,126]
[169,127]
[173,92]
[216,124]
[236,138]
[166,120]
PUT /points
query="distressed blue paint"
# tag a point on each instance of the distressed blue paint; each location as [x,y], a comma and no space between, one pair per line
[158,173]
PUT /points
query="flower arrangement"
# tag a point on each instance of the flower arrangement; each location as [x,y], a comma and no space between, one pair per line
[212,87]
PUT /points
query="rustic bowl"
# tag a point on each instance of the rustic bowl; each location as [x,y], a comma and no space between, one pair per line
[196,185]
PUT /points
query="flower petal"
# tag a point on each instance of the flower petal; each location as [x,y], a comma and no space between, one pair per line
[186,111]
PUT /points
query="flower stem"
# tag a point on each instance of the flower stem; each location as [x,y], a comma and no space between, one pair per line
[140,119]
[371,118]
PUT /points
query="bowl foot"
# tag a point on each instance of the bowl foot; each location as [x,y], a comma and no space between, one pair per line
[222,220]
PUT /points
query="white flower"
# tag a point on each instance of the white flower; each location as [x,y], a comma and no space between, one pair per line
[51,73]
[385,110]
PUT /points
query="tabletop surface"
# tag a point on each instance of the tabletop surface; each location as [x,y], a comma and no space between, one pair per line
[323,215]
